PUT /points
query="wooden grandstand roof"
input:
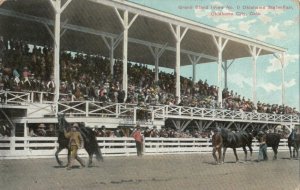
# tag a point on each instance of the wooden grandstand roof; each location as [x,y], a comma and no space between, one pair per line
[87,21]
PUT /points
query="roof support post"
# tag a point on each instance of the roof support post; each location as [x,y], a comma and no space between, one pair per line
[282,61]
[111,46]
[225,67]
[157,52]
[220,46]
[254,53]
[194,60]
[126,25]
[58,10]
[178,37]
[281,58]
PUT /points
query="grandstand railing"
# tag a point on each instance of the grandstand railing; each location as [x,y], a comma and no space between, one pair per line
[122,110]
[45,147]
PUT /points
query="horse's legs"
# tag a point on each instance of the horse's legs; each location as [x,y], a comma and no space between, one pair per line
[90,160]
[275,152]
[220,154]
[214,154]
[250,149]
[290,148]
[224,151]
[236,157]
[245,151]
[59,149]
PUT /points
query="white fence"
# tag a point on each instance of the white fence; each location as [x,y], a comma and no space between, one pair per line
[45,147]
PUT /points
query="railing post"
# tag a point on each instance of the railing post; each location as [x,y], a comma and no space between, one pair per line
[31,97]
[134,115]
[87,108]
[152,114]
[41,97]
[144,146]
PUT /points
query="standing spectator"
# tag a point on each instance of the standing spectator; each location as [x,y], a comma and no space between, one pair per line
[75,143]
[262,146]
[137,135]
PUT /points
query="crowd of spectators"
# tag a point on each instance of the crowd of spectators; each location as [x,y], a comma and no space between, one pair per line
[166,132]
[87,77]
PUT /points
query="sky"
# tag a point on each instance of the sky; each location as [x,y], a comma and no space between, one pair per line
[273,21]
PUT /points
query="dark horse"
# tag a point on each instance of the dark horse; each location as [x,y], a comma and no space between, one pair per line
[236,140]
[272,140]
[294,141]
[90,141]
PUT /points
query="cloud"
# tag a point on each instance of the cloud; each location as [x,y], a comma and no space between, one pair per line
[245,25]
[244,82]
[275,65]
[240,80]
[271,87]
[225,26]
[273,33]
[265,19]
[264,14]
[288,23]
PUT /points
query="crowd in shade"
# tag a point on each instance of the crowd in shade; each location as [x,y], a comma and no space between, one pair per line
[88,77]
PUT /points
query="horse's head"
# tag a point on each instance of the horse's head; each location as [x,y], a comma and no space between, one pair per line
[62,123]
[224,132]
[255,132]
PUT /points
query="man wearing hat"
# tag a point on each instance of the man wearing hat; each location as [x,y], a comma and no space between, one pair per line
[75,143]
[137,135]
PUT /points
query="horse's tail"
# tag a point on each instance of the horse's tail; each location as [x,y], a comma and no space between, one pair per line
[98,152]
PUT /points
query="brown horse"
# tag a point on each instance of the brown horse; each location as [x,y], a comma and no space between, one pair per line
[217,142]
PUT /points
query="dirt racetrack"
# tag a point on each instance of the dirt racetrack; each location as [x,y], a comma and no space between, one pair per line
[164,172]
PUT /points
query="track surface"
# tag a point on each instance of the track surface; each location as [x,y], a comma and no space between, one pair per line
[164,172]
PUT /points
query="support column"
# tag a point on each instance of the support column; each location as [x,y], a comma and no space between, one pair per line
[58,10]
[126,25]
[225,69]
[111,46]
[220,46]
[178,37]
[255,53]
[157,52]
[194,61]
[282,62]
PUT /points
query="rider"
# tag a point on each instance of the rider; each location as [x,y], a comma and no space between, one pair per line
[75,143]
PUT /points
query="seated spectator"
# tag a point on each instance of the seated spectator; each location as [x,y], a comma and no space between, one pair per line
[41,130]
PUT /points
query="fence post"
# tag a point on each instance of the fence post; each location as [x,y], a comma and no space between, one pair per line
[144,146]
[87,108]
[12,145]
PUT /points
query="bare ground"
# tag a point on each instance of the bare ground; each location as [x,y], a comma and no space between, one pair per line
[164,172]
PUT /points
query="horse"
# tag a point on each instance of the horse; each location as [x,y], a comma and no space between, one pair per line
[90,141]
[272,140]
[236,140]
[217,142]
[294,141]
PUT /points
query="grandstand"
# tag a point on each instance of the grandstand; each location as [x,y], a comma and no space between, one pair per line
[107,82]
